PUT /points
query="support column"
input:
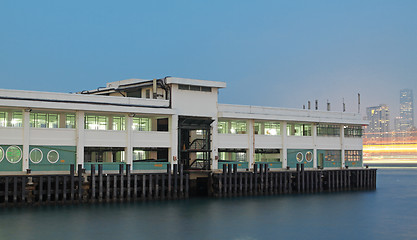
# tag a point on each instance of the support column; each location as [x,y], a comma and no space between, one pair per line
[174,140]
[80,137]
[284,144]
[214,145]
[129,146]
[251,143]
[342,145]
[26,139]
[314,133]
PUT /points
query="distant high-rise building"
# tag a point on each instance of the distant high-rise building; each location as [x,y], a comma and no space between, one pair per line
[406,110]
[378,117]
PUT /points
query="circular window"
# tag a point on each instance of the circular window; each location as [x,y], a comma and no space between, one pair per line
[36,155]
[1,154]
[309,156]
[299,157]
[53,156]
[13,154]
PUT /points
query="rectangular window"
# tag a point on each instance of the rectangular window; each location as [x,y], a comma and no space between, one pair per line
[298,129]
[119,123]
[194,88]
[184,87]
[328,130]
[70,121]
[332,155]
[11,118]
[148,93]
[229,155]
[150,155]
[353,131]
[223,126]
[272,128]
[206,89]
[96,122]
[3,119]
[44,120]
[142,124]
[232,126]
[353,155]
[238,127]
[267,155]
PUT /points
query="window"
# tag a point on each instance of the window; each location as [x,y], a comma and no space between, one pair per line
[150,155]
[13,154]
[267,155]
[1,154]
[11,118]
[267,128]
[353,155]
[36,155]
[3,119]
[119,123]
[194,88]
[53,156]
[142,124]
[227,155]
[328,130]
[148,93]
[309,156]
[298,129]
[95,122]
[44,120]
[70,121]
[353,131]
[104,154]
[332,155]
[232,126]
[237,127]
[299,157]
[223,127]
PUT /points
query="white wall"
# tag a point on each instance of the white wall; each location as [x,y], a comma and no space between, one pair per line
[151,139]
[233,141]
[267,141]
[11,136]
[103,138]
[53,137]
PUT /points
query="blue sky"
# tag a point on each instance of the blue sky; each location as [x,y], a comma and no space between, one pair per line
[274,53]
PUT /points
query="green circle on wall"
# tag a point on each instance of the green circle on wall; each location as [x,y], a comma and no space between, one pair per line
[13,154]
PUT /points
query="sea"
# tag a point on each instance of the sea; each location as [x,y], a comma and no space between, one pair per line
[389,212]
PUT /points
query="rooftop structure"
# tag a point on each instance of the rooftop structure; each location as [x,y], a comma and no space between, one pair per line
[151,123]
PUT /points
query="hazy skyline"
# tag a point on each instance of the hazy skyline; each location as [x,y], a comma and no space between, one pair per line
[273,53]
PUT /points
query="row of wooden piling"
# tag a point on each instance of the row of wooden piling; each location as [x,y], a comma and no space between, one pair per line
[94,187]
[262,181]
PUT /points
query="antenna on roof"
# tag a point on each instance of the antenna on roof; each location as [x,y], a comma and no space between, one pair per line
[359,103]
[317,104]
[344,105]
[328,105]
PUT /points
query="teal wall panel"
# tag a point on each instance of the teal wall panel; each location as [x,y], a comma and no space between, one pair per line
[150,165]
[240,165]
[107,166]
[327,162]
[272,164]
[67,156]
[5,165]
[292,158]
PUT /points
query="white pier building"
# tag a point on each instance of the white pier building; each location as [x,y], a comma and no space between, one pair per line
[151,123]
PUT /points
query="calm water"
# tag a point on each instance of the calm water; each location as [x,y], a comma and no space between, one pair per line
[390,212]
